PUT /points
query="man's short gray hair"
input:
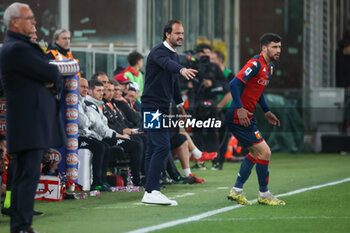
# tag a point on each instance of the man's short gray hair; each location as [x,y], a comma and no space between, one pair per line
[58,32]
[13,11]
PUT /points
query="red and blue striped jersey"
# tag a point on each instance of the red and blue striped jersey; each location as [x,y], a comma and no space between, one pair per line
[256,75]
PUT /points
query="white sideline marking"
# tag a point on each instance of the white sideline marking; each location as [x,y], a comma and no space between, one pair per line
[182,195]
[225,209]
[224,188]
[276,218]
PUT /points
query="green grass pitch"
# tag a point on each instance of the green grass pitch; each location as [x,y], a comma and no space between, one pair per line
[320,210]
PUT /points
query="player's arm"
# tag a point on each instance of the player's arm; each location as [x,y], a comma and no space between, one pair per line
[263,103]
[271,118]
[236,85]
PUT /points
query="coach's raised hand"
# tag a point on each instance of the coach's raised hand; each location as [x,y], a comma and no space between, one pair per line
[188,73]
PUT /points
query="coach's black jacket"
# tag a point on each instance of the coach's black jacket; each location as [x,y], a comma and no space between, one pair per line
[32,111]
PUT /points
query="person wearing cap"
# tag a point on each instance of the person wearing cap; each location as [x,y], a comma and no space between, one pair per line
[124,82]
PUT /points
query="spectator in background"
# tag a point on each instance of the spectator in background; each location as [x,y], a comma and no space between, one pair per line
[100,76]
[218,58]
[59,49]
[224,102]
[111,137]
[25,71]
[124,82]
[131,115]
[50,164]
[210,83]
[131,96]
[88,139]
[133,72]
[135,95]
[118,122]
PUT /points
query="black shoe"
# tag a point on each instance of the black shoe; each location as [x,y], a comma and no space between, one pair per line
[166,180]
[37,213]
[217,166]
[200,166]
[187,180]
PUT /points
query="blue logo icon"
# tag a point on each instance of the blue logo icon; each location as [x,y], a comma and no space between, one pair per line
[151,120]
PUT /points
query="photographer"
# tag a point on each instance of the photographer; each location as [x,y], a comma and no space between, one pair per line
[202,95]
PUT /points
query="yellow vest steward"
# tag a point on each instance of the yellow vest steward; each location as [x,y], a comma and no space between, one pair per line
[59,57]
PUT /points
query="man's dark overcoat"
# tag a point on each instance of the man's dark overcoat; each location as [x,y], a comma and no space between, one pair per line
[32,110]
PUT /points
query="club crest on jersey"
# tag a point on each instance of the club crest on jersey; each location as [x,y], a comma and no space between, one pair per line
[247,71]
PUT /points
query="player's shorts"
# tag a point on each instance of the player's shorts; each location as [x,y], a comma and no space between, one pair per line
[247,136]
[177,140]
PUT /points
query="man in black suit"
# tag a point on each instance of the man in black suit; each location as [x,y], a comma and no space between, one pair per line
[32,114]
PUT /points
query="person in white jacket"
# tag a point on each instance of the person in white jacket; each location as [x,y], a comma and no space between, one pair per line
[89,139]
[100,127]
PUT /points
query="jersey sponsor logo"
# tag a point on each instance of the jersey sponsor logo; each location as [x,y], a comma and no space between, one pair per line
[71,84]
[71,99]
[72,159]
[257,135]
[72,144]
[71,114]
[248,71]
[72,173]
[71,129]
[263,81]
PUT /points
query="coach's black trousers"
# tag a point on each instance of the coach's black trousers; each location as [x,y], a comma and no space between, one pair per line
[24,184]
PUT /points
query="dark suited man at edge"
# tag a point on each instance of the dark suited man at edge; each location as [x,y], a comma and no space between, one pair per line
[32,114]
